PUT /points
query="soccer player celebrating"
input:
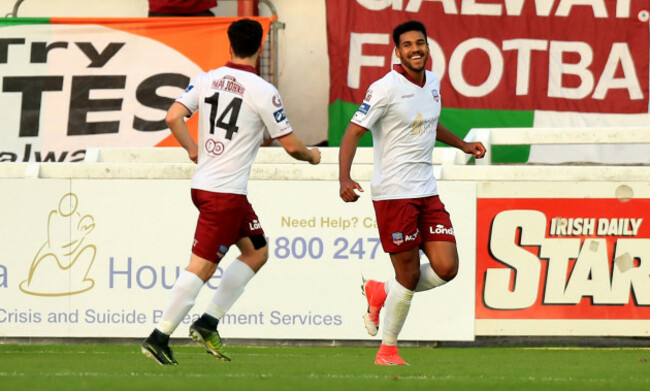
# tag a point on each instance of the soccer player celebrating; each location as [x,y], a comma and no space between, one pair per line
[237,106]
[402,110]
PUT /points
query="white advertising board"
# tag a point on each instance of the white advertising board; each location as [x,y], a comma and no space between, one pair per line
[97,257]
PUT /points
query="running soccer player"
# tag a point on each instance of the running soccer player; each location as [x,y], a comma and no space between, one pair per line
[236,106]
[402,110]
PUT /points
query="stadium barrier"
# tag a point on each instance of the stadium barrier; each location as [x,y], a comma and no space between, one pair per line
[441,155]
[545,250]
[555,136]
[324,172]
[275,155]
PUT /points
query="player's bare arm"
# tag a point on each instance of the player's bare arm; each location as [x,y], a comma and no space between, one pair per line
[298,150]
[347,150]
[176,121]
[476,149]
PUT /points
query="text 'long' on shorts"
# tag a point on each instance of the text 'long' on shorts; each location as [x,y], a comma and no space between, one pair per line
[406,223]
[224,218]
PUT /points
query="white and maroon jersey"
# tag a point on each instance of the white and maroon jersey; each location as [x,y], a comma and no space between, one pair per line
[403,118]
[236,107]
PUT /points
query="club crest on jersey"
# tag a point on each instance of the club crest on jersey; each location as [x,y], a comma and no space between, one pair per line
[222,251]
[436,95]
[277,102]
[228,83]
[279,116]
[398,238]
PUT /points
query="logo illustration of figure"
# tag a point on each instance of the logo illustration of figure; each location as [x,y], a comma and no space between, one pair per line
[62,264]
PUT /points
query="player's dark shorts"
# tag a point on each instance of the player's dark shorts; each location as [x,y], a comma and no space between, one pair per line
[224,218]
[406,223]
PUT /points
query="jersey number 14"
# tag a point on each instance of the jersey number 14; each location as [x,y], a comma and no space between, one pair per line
[231,111]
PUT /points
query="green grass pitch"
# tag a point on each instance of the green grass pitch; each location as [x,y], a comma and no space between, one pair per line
[123,367]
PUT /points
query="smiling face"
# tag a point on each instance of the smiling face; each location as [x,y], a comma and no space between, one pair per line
[413,51]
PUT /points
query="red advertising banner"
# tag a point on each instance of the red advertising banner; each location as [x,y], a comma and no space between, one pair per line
[564,55]
[576,258]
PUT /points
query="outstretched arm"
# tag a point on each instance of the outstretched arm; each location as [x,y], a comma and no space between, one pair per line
[476,149]
[175,120]
[297,149]
[347,150]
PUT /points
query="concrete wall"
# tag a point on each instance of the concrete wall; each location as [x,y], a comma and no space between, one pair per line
[304,65]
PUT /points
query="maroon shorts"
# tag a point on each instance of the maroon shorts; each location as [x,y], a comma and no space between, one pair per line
[224,218]
[406,223]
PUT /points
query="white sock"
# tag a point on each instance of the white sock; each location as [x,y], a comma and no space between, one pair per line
[233,282]
[387,285]
[396,308]
[181,300]
[428,279]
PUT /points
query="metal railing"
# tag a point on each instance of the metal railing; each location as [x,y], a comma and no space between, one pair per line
[14,13]
[271,58]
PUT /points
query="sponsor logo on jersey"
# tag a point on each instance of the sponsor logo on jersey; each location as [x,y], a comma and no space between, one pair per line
[279,116]
[436,95]
[398,238]
[408,96]
[363,109]
[441,230]
[228,84]
[277,102]
[189,88]
[214,148]
[222,251]
[416,127]
[423,125]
